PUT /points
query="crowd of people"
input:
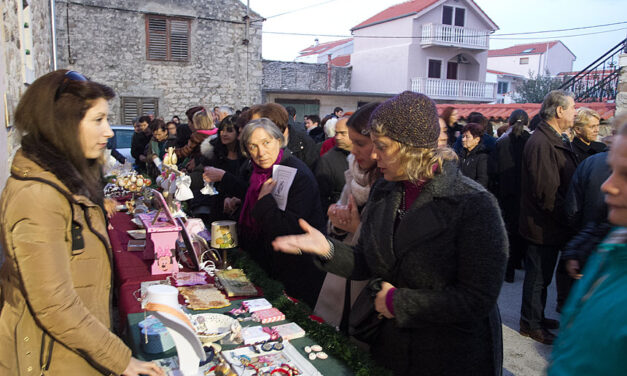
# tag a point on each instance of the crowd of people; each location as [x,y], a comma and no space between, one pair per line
[422,215]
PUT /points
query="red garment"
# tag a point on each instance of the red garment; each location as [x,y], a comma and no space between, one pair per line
[327,145]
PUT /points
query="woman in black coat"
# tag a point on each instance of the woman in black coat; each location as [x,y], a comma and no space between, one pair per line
[506,166]
[261,219]
[424,234]
[473,157]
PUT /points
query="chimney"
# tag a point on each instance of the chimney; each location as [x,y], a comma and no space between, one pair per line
[316,42]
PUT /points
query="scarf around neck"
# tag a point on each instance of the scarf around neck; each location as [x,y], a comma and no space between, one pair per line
[259,176]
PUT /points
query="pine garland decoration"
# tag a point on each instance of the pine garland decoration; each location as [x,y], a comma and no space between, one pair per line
[334,342]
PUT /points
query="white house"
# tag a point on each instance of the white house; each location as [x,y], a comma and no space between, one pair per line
[529,59]
[505,84]
[436,47]
[338,51]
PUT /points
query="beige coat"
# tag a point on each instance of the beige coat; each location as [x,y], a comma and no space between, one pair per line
[52,293]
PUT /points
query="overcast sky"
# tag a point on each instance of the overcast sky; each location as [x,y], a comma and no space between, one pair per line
[512,16]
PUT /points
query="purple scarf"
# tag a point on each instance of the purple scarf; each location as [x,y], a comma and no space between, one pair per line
[259,176]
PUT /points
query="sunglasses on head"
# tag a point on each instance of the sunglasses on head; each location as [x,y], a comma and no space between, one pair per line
[67,78]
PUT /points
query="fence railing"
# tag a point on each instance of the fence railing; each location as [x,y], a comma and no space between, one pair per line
[454,89]
[448,35]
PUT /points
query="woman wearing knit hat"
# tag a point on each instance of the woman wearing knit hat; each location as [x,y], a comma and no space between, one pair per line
[436,240]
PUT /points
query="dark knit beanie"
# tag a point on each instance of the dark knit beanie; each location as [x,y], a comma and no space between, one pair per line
[409,118]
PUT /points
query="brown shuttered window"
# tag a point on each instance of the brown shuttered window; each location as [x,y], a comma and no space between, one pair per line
[167,38]
[133,107]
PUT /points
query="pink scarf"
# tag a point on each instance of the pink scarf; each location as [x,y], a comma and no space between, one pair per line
[259,176]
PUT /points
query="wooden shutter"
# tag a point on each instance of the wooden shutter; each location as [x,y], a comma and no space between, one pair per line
[179,40]
[157,38]
[130,109]
[150,105]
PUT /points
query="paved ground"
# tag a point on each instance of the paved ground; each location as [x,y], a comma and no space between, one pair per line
[521,355]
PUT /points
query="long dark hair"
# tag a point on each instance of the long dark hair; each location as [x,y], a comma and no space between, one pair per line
[48,117]
[221,151]
[517,121]
[446,115]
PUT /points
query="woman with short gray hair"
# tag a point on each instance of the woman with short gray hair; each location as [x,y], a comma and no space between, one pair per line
[261,219]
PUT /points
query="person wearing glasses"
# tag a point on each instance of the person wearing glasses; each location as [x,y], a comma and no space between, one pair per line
[57,271]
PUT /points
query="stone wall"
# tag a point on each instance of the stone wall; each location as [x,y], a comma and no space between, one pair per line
[106,40]
[13,56]
[304,76]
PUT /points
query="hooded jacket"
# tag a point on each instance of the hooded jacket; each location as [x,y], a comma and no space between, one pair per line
[55,279]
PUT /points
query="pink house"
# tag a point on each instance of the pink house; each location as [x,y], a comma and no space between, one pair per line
[436,47]
[532,58]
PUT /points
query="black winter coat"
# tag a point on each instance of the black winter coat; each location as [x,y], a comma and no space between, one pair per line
[547,168]
[330,176]
[303,147]
[507,164]
[585,202]
[474,164]
[583,151]
[446,257]
[300,276]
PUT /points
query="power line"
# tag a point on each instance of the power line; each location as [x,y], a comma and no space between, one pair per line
[556,30]
[299,9]
[434,36]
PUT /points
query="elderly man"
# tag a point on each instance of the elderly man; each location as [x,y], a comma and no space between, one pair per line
[548,164]
[586,131]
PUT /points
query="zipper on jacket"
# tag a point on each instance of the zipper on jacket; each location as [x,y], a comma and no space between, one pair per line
[45,363]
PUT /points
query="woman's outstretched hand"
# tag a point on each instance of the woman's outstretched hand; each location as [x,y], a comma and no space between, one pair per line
[137,367]
[312,241]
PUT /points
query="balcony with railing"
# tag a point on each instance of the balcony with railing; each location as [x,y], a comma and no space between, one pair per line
[453,36]
[459,90]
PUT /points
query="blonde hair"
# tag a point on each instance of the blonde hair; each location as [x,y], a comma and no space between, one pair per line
[203,121]
[418,163]
[583,117]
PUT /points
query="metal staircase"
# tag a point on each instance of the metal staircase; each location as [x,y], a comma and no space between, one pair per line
[598,82]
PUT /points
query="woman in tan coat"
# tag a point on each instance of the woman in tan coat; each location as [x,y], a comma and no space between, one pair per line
[56,275]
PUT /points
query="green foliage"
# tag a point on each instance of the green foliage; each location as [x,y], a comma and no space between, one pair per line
[334,342]
[535,88]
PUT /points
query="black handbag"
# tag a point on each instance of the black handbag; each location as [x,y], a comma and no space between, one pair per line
[365,322]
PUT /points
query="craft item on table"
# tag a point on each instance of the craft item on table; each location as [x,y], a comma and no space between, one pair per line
[235,283]
[121,208]
[194,248]
[141,293]
[131,182]
[204,297]
[289,331]
[155,336]
[189,278]
[254,305]
[212,327]
[163,301]
[162,231]
[170,158]
[288,361]
[209,189]
[224,234]
[137,234]
[137,222]
[136,245]
[183,191]
[268,315]
[254,334]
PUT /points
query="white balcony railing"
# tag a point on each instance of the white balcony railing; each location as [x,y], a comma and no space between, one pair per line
[447,35]
[455,89]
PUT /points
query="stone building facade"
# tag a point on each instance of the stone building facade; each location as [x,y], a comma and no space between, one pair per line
[107,40]
[25,53]
[304,76]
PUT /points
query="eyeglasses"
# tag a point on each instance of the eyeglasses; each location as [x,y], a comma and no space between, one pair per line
[67,78]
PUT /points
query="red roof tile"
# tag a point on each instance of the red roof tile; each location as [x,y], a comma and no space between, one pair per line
[322,47]
[406,9]
[503,73]
[502,111]
[341,61]
[533,49]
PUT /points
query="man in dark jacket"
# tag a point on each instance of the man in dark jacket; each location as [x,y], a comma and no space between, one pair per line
[140,139]
[547,167]
[586,131]
[331,166]
[312,125]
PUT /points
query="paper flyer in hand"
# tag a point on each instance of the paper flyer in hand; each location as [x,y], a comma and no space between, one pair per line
[284,177]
